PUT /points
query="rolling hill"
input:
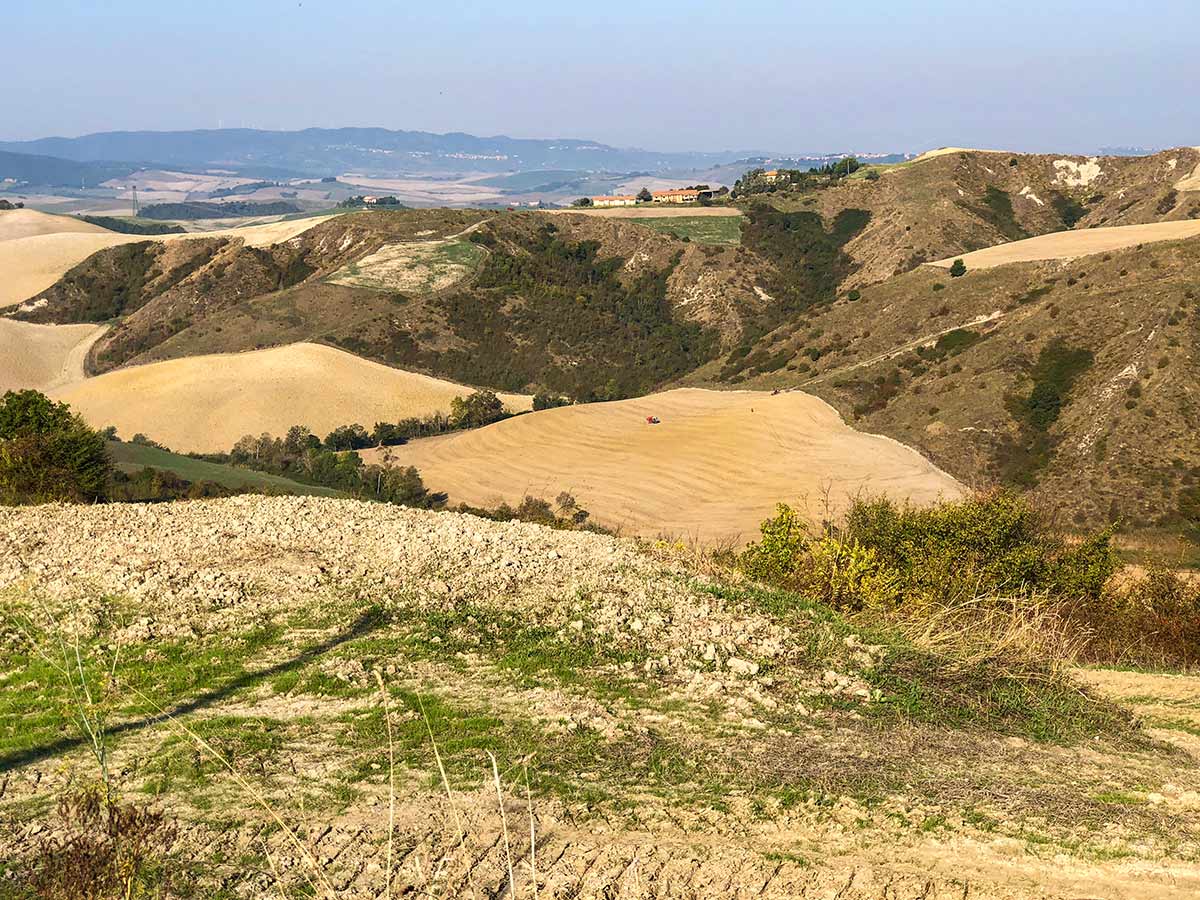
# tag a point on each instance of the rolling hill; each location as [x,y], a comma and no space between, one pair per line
[205,403]
[325,151]
[710,471]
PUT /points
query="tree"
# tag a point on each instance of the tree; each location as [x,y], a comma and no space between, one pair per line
[582,201]
[347,437]
[644,195]
[49,454]
[959,269]
[476,410]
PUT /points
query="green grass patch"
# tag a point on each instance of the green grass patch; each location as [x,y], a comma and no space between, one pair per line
[134,457]
[717,230]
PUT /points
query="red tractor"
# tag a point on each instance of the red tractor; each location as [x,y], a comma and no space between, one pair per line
[653,420]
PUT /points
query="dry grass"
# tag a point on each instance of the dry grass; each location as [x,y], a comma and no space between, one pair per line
[1012,634]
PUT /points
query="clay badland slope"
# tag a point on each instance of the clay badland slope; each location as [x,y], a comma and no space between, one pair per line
[206,403]
[710,471]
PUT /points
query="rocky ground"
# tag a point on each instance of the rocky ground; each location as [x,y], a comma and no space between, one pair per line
[272,672]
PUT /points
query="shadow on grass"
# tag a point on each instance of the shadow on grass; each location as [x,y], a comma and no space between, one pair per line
[364,625]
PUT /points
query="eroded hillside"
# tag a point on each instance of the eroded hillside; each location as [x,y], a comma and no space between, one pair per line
[1077,377]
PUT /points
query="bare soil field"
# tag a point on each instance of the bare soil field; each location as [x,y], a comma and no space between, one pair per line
[711,471]
[656,211]
[663,735]
[1072,244]
[22,223]
[32,264]
[205,403]
[43,357]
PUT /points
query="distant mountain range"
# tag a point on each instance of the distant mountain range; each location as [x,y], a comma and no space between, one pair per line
[324,151]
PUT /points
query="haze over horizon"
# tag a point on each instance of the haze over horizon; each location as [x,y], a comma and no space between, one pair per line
[879,76]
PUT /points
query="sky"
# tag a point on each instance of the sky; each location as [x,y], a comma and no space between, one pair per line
[863,75]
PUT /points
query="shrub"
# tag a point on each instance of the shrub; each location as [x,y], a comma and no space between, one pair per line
[885,554]
[476,410]
[958,269]
[48,454]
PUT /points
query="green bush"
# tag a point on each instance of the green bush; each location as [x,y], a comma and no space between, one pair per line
[887,554]
[958,269]
[48,454]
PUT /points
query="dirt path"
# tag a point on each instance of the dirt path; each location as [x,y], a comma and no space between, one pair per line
[905,347]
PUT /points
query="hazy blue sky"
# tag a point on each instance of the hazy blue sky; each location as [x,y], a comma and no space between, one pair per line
[676,74]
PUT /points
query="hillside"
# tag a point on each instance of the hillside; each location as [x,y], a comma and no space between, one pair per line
[1076,377]
[43,356]
[37,262]
[206,403]
[945,205]
[1067,245]
[37,169]
[132,458]
[22,223]
[709,472]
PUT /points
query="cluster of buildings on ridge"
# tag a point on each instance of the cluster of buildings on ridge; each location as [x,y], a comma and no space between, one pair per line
[678,195]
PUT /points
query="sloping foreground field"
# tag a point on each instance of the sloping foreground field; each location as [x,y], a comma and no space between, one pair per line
[29,265]
[1070,244]
[21,223]
[665,735]
[712,470]
[43,357]
[203,404]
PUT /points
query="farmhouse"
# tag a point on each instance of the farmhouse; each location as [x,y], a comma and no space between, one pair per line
[615,200]
[773,175]
[682,195]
